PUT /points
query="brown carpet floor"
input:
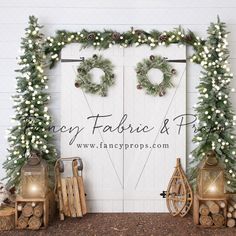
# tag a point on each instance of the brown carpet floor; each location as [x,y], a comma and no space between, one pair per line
[129,224]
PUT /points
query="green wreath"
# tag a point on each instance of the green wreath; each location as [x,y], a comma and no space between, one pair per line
[84,78]
[158,63]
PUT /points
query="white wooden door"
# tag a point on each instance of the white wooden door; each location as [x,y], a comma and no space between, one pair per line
[148,168]
[128,178]
[103,168]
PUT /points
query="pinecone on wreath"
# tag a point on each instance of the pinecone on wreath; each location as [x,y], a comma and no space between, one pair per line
[139,86]
[163,38]
[173,71]
[79,70]
[77,85]
[103,94]
[162,92]
[152,57]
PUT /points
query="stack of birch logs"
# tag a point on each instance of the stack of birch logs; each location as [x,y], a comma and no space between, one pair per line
[231,213]
[31,216]
[212,213]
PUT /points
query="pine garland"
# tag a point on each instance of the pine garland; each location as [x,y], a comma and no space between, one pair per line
[156,62]
[107,38]
[84,78]
[32,119]
[215,113]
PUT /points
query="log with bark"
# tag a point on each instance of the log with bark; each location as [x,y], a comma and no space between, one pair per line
[38,210]
[204,210]
[35,222]
[218,220]
[22,222]
[231,222]
[213,207]
[232,203]
[206,221]
[234,214]
[27,210]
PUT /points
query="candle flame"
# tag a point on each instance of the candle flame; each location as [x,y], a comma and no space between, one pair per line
[33,188]
[212,188]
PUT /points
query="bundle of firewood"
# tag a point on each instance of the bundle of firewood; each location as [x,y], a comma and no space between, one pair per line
[231,213]
[31,215]
[211,213]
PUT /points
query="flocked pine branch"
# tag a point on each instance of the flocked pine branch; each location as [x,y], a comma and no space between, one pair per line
[32,120]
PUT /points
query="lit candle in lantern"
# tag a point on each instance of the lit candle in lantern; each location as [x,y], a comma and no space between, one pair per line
[212,188]
[33,188]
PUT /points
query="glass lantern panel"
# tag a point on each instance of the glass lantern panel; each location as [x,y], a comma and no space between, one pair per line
[34,180]
[33,186]
[212,183]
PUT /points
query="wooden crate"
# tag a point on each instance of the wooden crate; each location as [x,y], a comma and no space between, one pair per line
[48,209]
[196,206]
[7,218]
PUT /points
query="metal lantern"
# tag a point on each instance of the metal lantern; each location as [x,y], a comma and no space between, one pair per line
[34,177]
[210,181]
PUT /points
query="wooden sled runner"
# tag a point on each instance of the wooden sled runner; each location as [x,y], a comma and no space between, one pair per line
[69,191]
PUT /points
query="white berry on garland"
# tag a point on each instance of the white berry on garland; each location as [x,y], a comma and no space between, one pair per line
[154,62]
[84,77]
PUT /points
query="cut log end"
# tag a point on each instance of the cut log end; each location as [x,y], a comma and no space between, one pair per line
[229,214]
[206,221]
[35,222]
[213,207]
[230,208]
[27,210]
[22,222]
[38,210]
[221,204]
[204,210]
[218,220]
[231,223]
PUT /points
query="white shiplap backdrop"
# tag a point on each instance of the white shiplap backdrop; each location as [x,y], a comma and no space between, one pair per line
[99,14]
